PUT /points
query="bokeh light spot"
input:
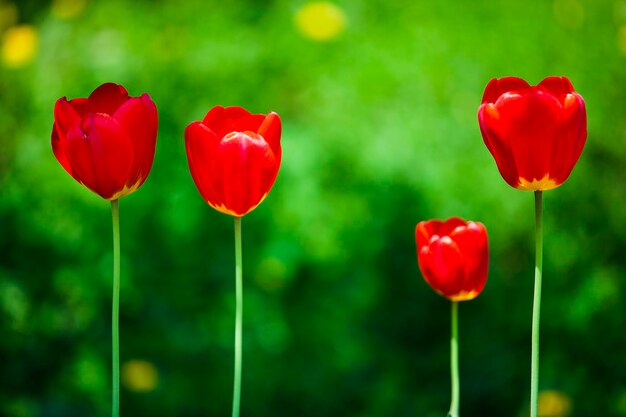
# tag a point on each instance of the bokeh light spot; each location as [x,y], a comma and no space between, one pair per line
[320,21]
[139,375]
[554,404]
[68,9]
[19,46]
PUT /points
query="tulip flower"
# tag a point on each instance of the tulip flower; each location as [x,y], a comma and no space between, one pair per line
[453,256]
[234,157]
[536,135]
[106,142]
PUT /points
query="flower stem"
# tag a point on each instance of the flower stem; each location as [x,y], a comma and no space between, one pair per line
[534,364]
[454,361]
[238,317]
[115,212]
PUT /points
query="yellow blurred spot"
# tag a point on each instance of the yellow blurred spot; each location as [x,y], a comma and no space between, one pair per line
[554,404]
[139,375]
[8,15]
[569,13]
[320,20]
[67,9]
[19,46]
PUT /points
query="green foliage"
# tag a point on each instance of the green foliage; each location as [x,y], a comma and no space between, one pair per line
[380,132]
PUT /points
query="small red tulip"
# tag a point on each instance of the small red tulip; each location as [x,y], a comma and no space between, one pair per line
[453,256]
[536,134]
[106,141]
[234,157]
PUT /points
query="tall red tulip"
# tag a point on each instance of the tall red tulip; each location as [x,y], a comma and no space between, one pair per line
[107,140]
[535,133]
[453,256]
[234,157]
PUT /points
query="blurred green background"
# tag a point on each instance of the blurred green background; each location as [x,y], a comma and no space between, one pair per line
[379,102]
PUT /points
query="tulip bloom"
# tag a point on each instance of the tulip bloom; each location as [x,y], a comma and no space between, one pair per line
[234,157]
[535,133]
[453,256]
[106,141]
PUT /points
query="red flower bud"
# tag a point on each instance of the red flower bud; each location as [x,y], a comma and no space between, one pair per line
[234,157]
[106,141]
[453,256]
[536,134]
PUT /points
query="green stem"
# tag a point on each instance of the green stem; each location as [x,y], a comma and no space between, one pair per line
[115,212]
[454,361]
[238,317]
[534,364]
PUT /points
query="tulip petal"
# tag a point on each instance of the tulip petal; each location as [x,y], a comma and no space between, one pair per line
[498,143]
[424,230]
[59,144]
[499,86]
[558,87]
[65,114]
[138,118]
[472,242]
[570,138]
[251,123]
[271,130]
[214,117]
[224,120]
[79,105]
[100,154]
[448,226]
[530,124]
[442,266]
[219,115]
[249,169]
[106,99]
[201,144]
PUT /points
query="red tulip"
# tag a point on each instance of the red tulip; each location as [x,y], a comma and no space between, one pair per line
[453,256]
[106,141]
[234,157]
[536,134]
